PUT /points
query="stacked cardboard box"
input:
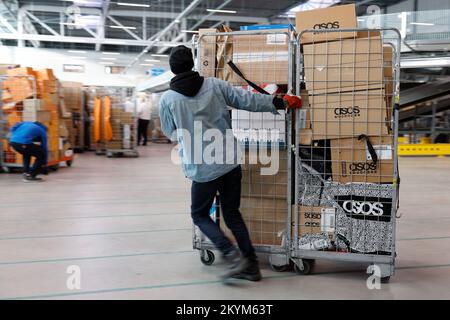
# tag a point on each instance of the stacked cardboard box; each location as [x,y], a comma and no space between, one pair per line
[21,87]
[264,197]
[261,58]
[345,75]
[72,94]
[122,125]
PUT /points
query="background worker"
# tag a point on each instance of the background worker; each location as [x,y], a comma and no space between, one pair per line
[193,98]
[24,136]
[144,111]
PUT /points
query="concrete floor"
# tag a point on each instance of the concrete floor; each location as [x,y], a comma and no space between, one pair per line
[125,223]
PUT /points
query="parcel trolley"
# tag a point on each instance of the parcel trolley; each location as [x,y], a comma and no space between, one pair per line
[260,61]
[346,170]
[26,99]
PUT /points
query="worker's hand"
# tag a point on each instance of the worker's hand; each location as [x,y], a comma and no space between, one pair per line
[292,102]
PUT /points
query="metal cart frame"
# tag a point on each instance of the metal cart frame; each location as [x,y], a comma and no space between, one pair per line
[279,255]
[304,259]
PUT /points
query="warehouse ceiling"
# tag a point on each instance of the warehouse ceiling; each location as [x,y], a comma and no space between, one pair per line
[141,22]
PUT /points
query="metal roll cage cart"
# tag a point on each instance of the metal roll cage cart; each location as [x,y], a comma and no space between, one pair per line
[309,184]
[356,231]
[6,157]
[269,240]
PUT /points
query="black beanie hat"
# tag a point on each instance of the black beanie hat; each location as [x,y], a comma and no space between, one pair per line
[181,59]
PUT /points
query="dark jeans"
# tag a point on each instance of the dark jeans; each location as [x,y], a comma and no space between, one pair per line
[142,130]
[28,151]
[229,188]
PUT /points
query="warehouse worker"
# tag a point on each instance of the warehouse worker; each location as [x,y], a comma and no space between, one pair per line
[144,111]
[193,99]
[24,135]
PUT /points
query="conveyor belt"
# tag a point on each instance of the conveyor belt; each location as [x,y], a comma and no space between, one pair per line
[423,93]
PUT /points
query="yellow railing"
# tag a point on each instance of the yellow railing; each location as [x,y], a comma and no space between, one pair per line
[423,149]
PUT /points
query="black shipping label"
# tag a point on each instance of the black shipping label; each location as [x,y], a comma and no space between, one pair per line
[366,208]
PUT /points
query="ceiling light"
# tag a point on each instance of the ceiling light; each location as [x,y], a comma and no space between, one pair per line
[111,53]
[221,11]
[123,27]
[147,64]
[189,31]
[177,21]
[152,60]
[108,58]
[73,67]
[76,51]
[160,55]
[422,23]
[107,63]
[133,4]
[77,57]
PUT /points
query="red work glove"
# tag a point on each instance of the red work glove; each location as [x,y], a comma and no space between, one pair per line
[293,102]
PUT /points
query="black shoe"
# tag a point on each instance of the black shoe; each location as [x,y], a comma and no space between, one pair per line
[145,143]
[252,273]
[239,266]
[30,178]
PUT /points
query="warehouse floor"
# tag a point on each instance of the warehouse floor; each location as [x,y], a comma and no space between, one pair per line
[125,223]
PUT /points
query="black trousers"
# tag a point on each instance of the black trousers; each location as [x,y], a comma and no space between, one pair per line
[229,188]
[142,130]
[28,151]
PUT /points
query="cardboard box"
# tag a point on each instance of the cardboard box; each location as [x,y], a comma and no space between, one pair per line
[350,64]
[261,58]
[207,66]
[266,220]
[348,114]
[351,161]
[45,74]
[24,71]
[33,105]
[316,220]
[41,116]
[20,87]
[5,67]
[388,73]
[337,17]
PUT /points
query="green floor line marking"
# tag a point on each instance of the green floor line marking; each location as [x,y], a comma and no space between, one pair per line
[92,234]
[181,284]
[90,202]
[424,238]
[95,257]
[95,217]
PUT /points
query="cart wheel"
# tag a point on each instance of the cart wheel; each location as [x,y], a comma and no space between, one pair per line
[207,257]
[69,163]
[307,267]
[385,279]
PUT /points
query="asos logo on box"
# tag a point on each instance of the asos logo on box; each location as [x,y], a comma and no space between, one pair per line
[344,112]
[327,25]
[366,208]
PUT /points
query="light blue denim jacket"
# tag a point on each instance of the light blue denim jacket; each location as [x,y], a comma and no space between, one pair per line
[187,119]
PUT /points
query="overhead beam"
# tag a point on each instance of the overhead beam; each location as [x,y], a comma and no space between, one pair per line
[151,14]
[102,26]
[42,24]
[7,25]
[199,23]
[88,40]
[117,23]
[156,38]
